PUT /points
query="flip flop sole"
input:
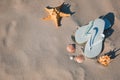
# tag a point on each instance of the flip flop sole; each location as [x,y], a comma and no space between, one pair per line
[93,46]
[95,49]
[82,34]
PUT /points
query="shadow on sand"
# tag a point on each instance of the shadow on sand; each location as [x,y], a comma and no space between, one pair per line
[109,19]
[113,54]
[66,8]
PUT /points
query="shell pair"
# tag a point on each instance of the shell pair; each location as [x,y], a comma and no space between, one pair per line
[71,48]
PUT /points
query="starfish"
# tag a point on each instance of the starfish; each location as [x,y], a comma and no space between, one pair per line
[55,14]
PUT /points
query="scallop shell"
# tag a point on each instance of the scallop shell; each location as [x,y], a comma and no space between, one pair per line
[79,58]
[104,60]
[71,48]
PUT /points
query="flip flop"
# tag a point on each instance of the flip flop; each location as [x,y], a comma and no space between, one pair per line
[93,46]
[107,23]
[82,33]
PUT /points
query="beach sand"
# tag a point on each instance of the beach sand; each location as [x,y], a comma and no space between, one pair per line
[34,49]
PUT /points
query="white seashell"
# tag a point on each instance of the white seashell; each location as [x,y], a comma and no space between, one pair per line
[71,57]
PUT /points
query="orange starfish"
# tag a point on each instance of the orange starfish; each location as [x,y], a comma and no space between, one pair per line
[55,14]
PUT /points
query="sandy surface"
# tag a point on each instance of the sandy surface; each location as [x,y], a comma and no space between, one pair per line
[33,49]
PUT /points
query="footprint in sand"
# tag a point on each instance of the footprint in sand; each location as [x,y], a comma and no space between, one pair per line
[78,74]
[63,74]
[10,34]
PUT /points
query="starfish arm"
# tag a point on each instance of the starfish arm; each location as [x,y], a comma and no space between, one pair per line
[47,18]
[57,21]
[49,10]
[64,14]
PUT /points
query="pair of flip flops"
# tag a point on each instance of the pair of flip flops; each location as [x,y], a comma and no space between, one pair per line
[92,35]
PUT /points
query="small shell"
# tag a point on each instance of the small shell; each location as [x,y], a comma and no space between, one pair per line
[79,58]
[71,57]
[71,48]
[104,60]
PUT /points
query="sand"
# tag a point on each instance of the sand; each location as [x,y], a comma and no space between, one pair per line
[34,49]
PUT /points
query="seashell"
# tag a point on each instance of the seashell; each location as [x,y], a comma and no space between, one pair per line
[71,57]
[79,58]
[104,60]
[71,48]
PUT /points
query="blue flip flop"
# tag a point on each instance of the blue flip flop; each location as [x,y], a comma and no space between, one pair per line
[82,33]
[93,46]
[107,23]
